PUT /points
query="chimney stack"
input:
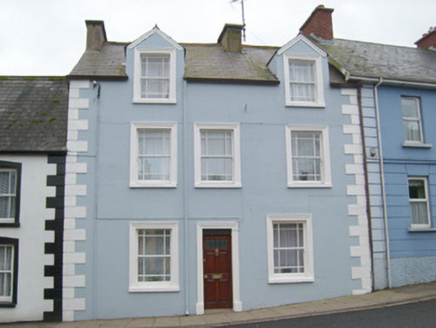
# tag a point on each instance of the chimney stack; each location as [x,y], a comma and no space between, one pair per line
[428,40]
[319,23]
[96,35]
[230,37]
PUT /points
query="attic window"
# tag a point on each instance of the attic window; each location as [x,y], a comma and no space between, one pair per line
[303,79]
[154,73]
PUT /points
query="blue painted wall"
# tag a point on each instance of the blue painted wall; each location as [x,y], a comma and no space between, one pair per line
[260,110]
[413,253]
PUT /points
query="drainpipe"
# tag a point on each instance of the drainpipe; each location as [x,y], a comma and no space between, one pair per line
[185,196]
[383,185]
[365,167]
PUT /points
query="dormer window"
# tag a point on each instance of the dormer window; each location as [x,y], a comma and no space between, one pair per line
[154,76]
[303,77]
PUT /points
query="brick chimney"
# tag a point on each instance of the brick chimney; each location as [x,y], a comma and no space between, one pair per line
[230,37]
[319,23]
[428,40]
[96,35]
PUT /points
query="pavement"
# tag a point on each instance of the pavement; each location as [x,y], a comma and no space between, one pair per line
[222,318]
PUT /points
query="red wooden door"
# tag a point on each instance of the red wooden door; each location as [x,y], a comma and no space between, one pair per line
[217,260]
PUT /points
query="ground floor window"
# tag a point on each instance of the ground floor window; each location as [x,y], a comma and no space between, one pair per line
[153,257]
[8,271]
[290,250]
[419,205]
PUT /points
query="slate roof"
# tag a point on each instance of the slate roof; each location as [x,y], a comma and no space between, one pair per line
[107,63]
[212,62]
[33,114]
[202,61]
[372,60]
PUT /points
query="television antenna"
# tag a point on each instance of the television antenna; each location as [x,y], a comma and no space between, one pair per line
[243,16]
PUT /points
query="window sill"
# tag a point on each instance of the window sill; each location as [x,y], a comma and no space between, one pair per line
[416,145]
[305,104]
[7,305]
[154,289]
[6,224]
[309,185]
[154,101]
[218,185]
[422,229]
[290,280]
[135,185]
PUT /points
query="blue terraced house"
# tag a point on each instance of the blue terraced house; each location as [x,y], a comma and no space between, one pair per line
[397,101]
[205,176]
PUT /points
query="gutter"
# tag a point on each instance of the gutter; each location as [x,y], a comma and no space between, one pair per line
[383,185]
[392,82]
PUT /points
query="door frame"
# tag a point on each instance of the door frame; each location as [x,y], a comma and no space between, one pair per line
[233,226]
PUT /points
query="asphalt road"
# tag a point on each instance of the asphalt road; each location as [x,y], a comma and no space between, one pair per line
[415,315]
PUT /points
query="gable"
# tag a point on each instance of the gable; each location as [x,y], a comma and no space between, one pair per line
[301,45]
[155,38]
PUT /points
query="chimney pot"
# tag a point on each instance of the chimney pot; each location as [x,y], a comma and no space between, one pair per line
[230,37]
[319,23]
[96,35]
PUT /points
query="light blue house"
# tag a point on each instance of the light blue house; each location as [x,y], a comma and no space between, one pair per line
[397,97]
[204,176]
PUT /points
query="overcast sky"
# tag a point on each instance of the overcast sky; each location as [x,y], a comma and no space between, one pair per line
[47,37]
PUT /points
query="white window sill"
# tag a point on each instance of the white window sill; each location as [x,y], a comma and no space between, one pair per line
[290,280]
[209,184]
[422,229]
[154,101]
[7,220]
[305,104]
[416,145]
[160,288]
[150,184]
[308,185]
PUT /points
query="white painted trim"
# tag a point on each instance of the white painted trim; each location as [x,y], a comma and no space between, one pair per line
[319,82]
[155,30]
[72,258]
[326,181]
[139,287]
[354,151]
[302,38]
[137,76]
[308,275]
[237,303]
[236,181]
[134,182]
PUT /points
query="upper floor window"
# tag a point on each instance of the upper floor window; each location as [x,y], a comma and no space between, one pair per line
[412,120]
[303,81]
[308,156]
[8,271]
[217,155]
[154,73]
[419,204]
[153,257]
[10,174]
[290,249]
[153,155]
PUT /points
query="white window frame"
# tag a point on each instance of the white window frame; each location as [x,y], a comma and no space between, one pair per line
[13,218]
[318,76]
[9,299]
[134,181]
[308,274]
[418,119]
[158,286]
[139,52]
[422,200]
[325,157]
[236,151]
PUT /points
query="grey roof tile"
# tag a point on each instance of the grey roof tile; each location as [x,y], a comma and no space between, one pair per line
[371,60]
[33,114]
[107,63]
